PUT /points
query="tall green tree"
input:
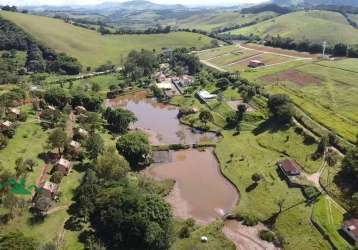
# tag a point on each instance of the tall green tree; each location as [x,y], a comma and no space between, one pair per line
[17,240]
[281,108]
[205,116]
[110,165]
[134,147]
[94,146]
[119,119]
[57,139]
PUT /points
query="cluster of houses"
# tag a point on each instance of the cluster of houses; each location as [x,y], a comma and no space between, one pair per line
[49,191]
[12,114]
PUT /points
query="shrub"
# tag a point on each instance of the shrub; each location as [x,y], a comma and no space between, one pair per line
[267,235]
[310,192]
[249,220]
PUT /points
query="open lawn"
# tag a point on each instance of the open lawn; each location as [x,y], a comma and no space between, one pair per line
[314,25]
[93,49]
[329,217]
[237,57]
[217,239]
[240,157]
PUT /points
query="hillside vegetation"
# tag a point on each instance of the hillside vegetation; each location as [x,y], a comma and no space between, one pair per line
[90,47]
[316,26]
[215,20]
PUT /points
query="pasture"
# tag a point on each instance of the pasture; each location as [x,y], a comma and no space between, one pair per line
[237,57]
[315,25]
[93,49]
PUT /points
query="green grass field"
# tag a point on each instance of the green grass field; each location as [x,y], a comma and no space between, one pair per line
[329,217]
[93,49]
[316,26]
[215,20]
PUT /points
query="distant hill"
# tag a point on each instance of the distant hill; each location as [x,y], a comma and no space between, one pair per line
[266,7]
[315,2]
[139,5]
[317,26]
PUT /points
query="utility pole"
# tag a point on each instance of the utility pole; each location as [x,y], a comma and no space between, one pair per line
[324,49]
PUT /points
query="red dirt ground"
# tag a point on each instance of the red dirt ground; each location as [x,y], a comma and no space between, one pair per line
[295,76]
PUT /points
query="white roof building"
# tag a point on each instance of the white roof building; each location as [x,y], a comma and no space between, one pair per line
[205,95]
[164,85]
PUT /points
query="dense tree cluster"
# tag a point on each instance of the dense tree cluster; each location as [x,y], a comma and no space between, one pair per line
[190,62]
[39,58]
[119,119]
[140,64]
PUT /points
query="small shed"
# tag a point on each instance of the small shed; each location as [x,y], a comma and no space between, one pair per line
[256,63]
[49,189]
[350,227]
[63,165]
[289,167]
[83,133]
[14,111]
[75,145]
[160,77]
[6,125]
[205,95]
[164,85]
[80,109]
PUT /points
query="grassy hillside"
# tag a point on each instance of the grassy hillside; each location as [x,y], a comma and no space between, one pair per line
[214,20]
[93,49]
[313,25]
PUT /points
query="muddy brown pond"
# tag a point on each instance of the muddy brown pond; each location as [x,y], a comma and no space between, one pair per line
[200,191]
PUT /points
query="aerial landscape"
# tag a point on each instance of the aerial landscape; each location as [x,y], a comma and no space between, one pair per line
[189,125]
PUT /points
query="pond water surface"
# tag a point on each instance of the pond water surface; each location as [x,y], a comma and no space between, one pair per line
[200,191]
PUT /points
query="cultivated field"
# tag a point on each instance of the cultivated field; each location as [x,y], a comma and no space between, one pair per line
[313,25]
[93,49]
[237,57]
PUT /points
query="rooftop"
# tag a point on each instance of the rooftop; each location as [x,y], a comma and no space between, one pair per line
[290,166]
[50,186]
[205,94]
[352,226]
[75,144]
[15,111]
[7,123]
[64,162]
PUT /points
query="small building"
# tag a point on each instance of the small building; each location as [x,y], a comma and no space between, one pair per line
[49,189]
[82,132]
[15,112]
[50,107]
[256,63]
[63,165]
[350,227]
[205,95]
[289,167]
[164,85]
[160,77]
[6,125]
[75,145]
[80,110]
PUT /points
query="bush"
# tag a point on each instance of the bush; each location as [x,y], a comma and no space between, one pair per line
[267,235]
[310,192]
[249,220]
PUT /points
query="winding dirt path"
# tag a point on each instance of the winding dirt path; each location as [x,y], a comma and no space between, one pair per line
[246,238]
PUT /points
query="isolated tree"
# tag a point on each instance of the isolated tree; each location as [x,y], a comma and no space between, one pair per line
[94,146]
[256,177]
[205,116]
[241,109]
[134,147]
[110,165]
[350,163]
[281,108]
[20,168]
[56,96]
[57,139]
[30,164]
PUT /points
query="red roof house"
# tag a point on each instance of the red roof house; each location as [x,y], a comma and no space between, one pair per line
[350,227]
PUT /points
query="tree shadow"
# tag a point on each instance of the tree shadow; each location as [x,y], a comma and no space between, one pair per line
[251,187]
[270,126]
[83,166]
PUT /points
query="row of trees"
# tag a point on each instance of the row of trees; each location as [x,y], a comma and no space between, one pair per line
[121,31]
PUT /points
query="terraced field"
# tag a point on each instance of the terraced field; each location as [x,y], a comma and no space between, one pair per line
[93,49]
